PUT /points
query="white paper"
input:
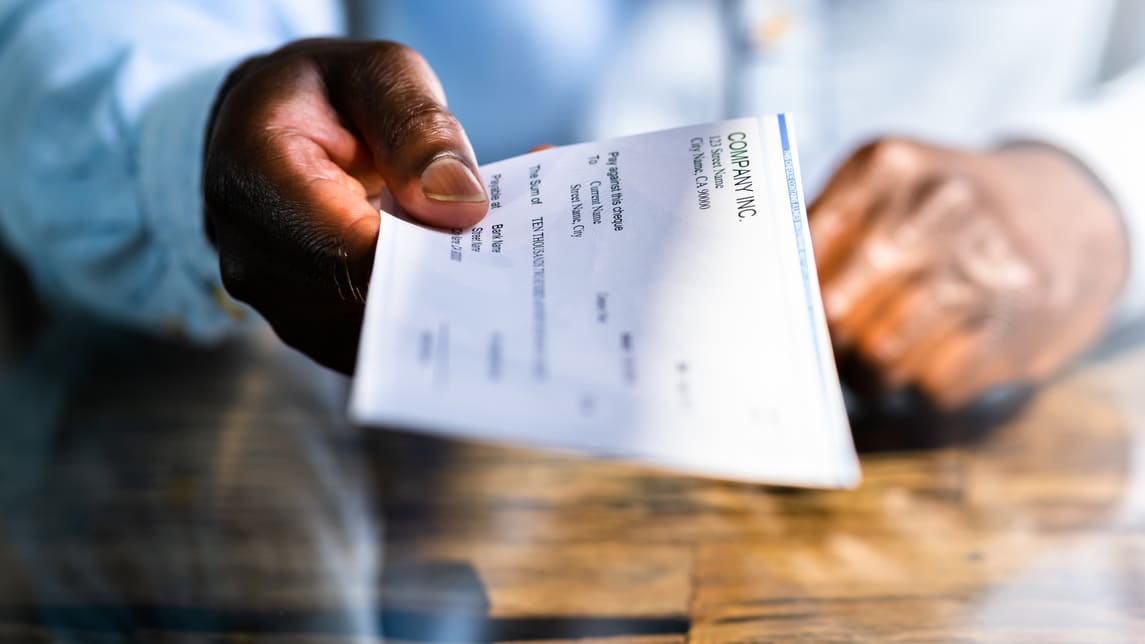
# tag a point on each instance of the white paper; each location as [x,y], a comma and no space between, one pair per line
[652,298]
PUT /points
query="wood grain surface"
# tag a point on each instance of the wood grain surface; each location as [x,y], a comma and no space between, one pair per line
[152,493]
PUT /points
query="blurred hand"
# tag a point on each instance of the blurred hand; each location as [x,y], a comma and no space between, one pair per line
[956,271]
[302,143]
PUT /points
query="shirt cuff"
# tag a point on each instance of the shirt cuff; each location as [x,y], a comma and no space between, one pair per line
[1100,136]
[172,138]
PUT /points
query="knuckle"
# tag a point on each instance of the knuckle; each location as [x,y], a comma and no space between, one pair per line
[232,166]
[1037,371]
[881,351]
[956,191]
[937,389]
[217,184]
[964,195]
[387,53]
[386,69]
[235,276]
[941,202]
[891,154]
[295,335]
[418,119]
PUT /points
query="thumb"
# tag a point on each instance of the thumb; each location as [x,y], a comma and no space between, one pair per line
[396,103]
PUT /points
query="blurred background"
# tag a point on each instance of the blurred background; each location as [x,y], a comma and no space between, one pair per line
[156,490]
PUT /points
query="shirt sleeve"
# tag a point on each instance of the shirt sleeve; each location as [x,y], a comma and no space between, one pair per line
[1105,133]
[105,106]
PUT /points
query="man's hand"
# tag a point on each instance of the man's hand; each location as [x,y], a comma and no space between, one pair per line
[956,271]
[302,145]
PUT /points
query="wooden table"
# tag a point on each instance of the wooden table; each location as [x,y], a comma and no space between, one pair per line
[175,495]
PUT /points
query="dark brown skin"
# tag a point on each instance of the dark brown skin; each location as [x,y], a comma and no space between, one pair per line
[302,143]
[958,271]
[948,270]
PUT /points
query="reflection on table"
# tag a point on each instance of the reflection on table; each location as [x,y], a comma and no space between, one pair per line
[156,493]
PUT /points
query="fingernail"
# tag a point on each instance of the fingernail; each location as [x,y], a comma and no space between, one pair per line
[447,178]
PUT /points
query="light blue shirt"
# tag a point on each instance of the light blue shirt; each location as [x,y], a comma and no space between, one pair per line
[104,104]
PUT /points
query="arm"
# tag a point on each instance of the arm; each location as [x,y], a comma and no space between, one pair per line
[104,106]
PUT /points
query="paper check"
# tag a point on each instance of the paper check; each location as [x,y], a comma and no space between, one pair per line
[651,298]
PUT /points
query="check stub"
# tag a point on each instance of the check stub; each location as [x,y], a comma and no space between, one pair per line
[650,298]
